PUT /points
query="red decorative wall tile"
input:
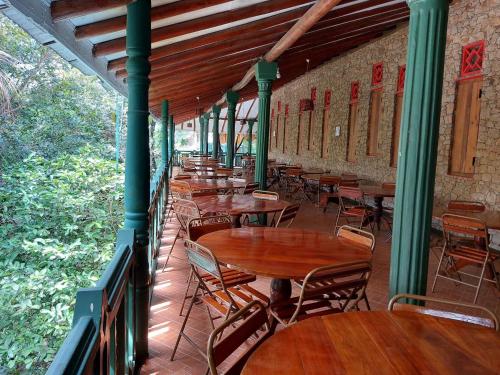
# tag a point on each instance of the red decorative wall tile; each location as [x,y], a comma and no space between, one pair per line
[272,113]
[377,74]
[401,79]
[354,91]
[313,94]
[328,97]
[286,109]
[472,59]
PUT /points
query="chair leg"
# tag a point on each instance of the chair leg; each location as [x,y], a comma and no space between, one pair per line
[171,249]
[181,332]
[438,268]
[366,301]
[480,280]
[189,280]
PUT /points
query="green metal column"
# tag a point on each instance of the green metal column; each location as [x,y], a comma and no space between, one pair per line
[265,73]
[250,134]
[171,145]
[164,133]
[137,174]
[215,132]
[206,117]
[418,146]
[232,99]
[202,132]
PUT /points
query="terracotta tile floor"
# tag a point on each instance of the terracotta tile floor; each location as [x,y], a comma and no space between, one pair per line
[170,285]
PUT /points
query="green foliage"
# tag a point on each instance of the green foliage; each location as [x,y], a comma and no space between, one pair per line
[58,220]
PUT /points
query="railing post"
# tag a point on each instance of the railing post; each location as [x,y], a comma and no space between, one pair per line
[232,99]
[250,134]
[137,176]
[164,132]
[206,117]
[215,132]
[171,132]
[418,146]
[265,73]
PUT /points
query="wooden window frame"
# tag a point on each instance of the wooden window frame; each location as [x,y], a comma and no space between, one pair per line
[397,116]
[352,125]
[325,126]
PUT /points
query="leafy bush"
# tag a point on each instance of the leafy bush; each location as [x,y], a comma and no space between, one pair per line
[58,222]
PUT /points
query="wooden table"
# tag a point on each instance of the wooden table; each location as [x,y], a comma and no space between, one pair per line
[237,205]
[317,176]
[212,175]
[378,193]
[491,218]
[378,342]
[199,184]
[281,253]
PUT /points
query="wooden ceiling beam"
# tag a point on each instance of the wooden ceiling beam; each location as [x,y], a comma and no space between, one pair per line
[61,10]
[199,24]
[116,24]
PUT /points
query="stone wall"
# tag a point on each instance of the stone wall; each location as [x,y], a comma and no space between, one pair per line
[469,21]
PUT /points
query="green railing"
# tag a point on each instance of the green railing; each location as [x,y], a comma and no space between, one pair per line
[102,338]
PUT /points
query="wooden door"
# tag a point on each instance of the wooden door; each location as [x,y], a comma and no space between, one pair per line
[352,138]
[396,128]
[373,122]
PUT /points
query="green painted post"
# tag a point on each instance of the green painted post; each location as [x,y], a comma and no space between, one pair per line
[118,126]
[265,73]
[171,146]
[137,174]
[215,132]
[250,134]
[206,117]
[202,132]
[232,98]
[164,133]
[418,146]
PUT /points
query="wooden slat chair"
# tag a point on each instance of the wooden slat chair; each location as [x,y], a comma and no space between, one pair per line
[227,172]
[352,208]
[253,321]
[294,185]
[491,321]
[185,210]
[332,182]
[469,206]
[287,215]
[260,194]
[320,292]
[179,189]
[250,188]
[183,177]
[207,224]
[465,239]
[222,296]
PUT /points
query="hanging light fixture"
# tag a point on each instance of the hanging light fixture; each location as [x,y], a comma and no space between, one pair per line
[278,74]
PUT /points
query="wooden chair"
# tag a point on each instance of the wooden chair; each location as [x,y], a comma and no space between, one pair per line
[294,184]
[250,188]
[264,194]
[465,240]
[491,321]
[324,287]
[221,296]
[288,214]
[352,207]
[185,210]
[179,189]
[253,319]
[183,177]
[228,172]
[469,206]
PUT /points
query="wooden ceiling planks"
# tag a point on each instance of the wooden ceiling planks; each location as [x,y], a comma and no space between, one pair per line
[66,9]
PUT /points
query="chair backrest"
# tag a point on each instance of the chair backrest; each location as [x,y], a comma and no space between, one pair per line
[349,280]
[225,171]
[202,260]
[250,188]
[491,321]
[389,185]
[358,236]
[185,210]
[353,193]
[198,227]
[264,194]
[470,206]
[349,176]
[182,177]
[180,189]
[254,318]
[329,180]
[349,183]
[294,172]
[460,226]
[288,214]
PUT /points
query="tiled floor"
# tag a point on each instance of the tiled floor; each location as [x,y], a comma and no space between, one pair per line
[170,285]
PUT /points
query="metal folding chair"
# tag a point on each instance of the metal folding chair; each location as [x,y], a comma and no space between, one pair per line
[287,215]
[352,208]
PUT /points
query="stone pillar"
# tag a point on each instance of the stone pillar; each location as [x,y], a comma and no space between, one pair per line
[137,167]
[171,145]
[164,133]
[265,73]
[418,146]
[215,132]
[250,133]
[232,98]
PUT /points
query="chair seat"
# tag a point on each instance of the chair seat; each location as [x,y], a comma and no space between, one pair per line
[231,278]
[285,309]
[356,211]
[470,254]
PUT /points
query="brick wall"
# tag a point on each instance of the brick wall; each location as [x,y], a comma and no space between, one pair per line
[469,21]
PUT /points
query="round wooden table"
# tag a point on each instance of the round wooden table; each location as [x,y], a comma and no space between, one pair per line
[378,342]
[378,193]
[281,253]
[237,205]
[200,184]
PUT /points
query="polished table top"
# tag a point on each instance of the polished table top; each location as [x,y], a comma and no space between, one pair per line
[317,176]
[200,184]
[239,204]
[490,217]
[281,253]
[377,191]
[378,342]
